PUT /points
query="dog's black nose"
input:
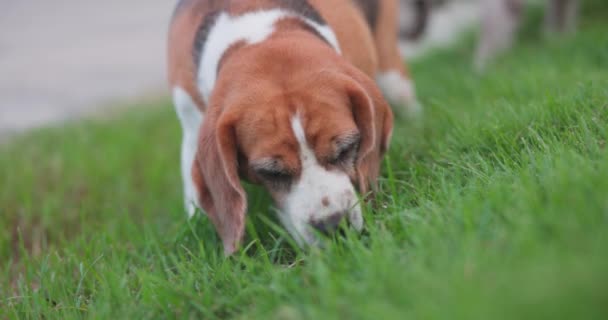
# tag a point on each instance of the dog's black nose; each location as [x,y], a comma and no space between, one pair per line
[328,224]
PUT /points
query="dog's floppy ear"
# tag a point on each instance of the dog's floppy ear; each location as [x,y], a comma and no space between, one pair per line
[215,174]
[374,118]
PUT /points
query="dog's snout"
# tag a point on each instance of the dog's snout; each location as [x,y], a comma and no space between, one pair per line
[328,224]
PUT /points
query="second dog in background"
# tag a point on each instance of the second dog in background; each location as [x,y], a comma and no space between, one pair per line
[501,18]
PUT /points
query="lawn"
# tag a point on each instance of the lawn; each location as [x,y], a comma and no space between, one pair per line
[493,206]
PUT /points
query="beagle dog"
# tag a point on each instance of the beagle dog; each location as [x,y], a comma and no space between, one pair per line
[280,93]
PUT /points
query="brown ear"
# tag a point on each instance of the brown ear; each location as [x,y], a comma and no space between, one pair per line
[374,118]
[215,174]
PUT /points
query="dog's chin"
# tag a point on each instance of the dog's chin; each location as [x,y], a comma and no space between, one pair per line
[305,235]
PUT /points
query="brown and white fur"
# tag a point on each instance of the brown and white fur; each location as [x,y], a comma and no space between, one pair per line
[280,93]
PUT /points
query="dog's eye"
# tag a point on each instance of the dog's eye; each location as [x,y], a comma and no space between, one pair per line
[273,174]
[346,152]
[276,178]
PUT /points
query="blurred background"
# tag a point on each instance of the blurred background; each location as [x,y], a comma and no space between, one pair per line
[64,59]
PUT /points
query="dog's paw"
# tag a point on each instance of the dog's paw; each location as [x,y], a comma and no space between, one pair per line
[400,93]
[190,206]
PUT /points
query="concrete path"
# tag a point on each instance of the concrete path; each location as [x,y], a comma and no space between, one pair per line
[63,59]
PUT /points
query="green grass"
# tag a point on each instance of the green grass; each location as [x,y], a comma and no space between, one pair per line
[494,206]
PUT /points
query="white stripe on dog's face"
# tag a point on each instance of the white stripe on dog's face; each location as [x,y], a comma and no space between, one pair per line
[318,196]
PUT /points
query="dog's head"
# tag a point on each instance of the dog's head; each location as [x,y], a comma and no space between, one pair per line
[312,143]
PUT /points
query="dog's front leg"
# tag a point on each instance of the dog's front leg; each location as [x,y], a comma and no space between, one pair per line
[190,118]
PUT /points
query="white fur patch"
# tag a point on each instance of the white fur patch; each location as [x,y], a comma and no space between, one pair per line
[305,201]
[398,90]
[326,32]
[191,118]
[252,27]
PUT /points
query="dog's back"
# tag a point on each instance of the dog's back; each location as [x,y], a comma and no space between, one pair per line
[193,18]
[366,31]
